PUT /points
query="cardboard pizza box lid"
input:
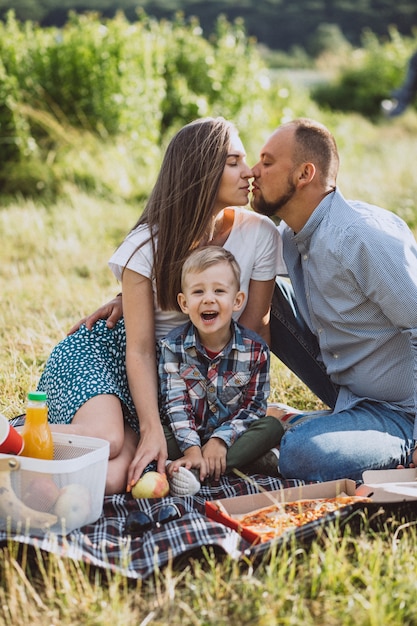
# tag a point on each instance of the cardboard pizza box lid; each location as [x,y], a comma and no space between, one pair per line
[394,485]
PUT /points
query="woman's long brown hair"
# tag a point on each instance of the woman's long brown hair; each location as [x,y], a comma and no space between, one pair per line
[179,211]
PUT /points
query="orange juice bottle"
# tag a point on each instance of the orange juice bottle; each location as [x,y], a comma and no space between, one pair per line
[36,433]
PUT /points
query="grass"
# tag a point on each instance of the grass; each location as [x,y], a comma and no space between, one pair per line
[53,270]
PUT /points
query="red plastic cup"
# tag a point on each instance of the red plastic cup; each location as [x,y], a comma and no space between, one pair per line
[11,441]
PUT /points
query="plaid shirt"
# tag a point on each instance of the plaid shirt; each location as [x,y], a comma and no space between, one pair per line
[220,397]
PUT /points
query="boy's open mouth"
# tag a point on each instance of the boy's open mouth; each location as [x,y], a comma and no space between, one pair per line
[209,316]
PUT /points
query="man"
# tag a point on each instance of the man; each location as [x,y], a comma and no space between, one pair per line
[349,328]
[404,95]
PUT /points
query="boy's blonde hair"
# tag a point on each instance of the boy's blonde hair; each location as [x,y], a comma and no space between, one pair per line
[202,258]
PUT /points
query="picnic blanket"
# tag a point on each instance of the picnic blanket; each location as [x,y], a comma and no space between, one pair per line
[105,544]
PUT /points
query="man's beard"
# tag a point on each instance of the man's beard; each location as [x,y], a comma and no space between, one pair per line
[260,205]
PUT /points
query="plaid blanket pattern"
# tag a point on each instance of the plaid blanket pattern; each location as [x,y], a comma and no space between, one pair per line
[104,543]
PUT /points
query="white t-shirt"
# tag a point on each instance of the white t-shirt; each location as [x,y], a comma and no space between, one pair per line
[253,240]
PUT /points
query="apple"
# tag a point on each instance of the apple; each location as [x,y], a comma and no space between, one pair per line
[151,485]
[40,493]
[73,505]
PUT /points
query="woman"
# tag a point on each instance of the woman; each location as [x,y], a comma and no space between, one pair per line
[103,382]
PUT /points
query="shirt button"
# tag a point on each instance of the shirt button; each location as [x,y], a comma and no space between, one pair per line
[195,373]
[212,389]
[336,356]
[305,257]
[213,409]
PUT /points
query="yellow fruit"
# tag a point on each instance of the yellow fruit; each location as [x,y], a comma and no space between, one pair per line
[73,505]
[151,485]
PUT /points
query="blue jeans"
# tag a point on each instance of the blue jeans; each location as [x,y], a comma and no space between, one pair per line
[327,445]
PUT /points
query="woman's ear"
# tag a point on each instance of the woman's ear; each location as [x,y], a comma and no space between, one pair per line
[239,300]
[182,302]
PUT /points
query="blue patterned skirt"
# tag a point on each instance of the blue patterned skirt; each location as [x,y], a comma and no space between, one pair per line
[84,365]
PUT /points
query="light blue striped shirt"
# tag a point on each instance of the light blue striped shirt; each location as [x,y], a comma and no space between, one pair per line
[353,267]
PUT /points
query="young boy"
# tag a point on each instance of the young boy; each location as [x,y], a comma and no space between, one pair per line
[214,377]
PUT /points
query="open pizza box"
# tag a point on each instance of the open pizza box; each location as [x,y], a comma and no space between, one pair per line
[390,485]
[383,492]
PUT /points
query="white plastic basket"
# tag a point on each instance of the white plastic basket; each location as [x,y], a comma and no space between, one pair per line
[58,495]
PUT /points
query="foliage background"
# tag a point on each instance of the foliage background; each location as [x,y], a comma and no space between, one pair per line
[91,104]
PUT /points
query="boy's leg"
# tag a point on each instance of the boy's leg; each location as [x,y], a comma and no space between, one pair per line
[173,450]
[330,446]
[262,435]
[296,346]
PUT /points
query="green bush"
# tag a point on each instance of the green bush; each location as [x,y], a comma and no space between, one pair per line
[328,37]
[15,135]
[97,75]
[367,76]
[131,85]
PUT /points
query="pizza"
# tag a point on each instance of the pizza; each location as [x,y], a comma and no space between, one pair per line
[272,521]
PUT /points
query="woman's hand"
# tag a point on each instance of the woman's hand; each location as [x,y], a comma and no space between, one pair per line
[111,311]
[152,447]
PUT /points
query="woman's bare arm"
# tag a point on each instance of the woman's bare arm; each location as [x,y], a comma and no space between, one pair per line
[257,311]
[141,366]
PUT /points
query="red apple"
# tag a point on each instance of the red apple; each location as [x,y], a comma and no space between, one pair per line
[151,485]
[40,493]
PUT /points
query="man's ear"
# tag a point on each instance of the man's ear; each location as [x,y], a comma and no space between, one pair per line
[183,303]
[306,174]
[239,300]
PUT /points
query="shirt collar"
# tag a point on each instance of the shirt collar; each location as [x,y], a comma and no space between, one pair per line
[315,218]
[191,340]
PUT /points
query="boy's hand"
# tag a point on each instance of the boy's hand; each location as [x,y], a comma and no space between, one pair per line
[192,459]
[214,454]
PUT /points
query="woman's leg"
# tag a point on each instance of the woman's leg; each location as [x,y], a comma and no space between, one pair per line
[88,394]
[116,481]
[102,417]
